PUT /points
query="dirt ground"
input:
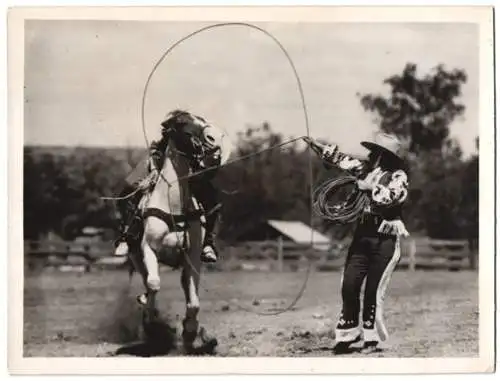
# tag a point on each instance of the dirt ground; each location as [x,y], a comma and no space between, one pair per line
[428,314]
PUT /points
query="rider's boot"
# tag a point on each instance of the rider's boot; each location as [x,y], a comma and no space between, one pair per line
[129,237]
[208,196]
[122,248]
[209,253]
[121,244]
[130,223]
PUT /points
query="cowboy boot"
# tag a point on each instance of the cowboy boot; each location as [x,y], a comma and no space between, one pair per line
[208,196]
[129,237]
[121,244]
[343,347]
[130,227]
[122,248]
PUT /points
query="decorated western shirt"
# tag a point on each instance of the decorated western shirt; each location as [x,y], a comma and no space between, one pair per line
[389,191]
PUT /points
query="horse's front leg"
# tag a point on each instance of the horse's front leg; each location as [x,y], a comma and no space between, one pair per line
[190,280]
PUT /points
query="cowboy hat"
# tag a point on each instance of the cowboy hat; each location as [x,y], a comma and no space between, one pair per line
[385,143]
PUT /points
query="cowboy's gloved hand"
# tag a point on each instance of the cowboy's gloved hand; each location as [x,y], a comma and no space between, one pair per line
[150,180]
[364,185]
[150,165]
[370,181]
[144,183]
[330,153]
[155,173]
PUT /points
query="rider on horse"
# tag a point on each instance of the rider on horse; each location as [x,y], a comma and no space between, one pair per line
[203,144]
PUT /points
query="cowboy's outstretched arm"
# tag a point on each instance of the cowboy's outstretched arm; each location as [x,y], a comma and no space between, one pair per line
[333,157]
[347,163]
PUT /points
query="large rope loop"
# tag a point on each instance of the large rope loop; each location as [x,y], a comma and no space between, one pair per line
[197,173]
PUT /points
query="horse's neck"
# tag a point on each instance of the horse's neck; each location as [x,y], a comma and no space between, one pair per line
[172,193]
[175,165]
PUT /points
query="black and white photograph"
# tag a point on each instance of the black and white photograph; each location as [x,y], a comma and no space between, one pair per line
[298,188]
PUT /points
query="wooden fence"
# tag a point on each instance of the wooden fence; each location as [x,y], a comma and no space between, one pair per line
[70,255]
[416,254]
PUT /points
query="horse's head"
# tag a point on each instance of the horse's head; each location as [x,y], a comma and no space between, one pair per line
[192,137]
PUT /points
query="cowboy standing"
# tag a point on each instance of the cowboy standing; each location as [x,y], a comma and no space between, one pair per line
[375,248]
[204,145]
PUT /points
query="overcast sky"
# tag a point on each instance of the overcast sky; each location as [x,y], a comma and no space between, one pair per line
[84,79]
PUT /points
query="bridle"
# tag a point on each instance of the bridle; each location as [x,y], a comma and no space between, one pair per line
[191,146]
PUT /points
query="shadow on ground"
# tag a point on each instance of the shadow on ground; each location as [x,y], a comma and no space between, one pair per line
[149,335]
[162,340]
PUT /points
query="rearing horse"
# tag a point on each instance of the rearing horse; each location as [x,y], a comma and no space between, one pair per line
[173,235]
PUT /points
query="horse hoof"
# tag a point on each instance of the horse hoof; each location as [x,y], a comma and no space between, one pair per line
[208,341]
[189,337]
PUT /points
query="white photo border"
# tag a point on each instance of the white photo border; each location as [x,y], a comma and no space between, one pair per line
[481,15]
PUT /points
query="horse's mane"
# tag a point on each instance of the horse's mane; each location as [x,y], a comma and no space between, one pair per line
[180,117]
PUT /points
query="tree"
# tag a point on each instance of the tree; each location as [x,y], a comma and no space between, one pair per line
[45,189]
[272,183]
[62,190]
[420,111]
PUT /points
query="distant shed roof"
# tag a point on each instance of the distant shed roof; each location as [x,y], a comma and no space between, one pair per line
[299,232]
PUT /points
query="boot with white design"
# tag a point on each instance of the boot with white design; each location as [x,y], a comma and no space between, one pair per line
[208,254]
[122,249]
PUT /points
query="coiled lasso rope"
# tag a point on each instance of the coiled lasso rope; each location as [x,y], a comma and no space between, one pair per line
[343,212]
[306,121]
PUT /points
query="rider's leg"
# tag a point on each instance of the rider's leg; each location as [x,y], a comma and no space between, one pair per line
[130,221]
[211,226]
[206,193]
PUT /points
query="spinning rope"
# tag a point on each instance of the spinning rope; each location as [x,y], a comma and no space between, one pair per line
[306,121]
[343,213]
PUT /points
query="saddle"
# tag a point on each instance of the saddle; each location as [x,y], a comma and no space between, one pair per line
[176,223]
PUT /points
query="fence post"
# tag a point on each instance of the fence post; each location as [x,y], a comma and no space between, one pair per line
[412,254]
[280,254]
